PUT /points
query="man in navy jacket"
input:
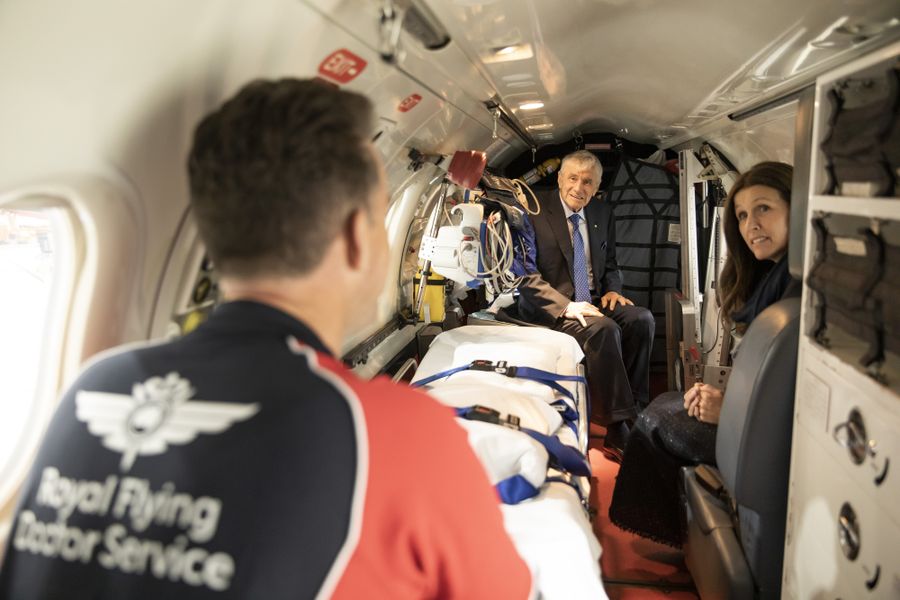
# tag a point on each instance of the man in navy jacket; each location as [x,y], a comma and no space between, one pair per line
[578,290]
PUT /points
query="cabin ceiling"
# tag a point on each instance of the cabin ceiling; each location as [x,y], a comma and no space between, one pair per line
[104,84]
[654,71]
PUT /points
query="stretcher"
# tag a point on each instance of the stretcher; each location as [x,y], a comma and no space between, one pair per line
[520,394]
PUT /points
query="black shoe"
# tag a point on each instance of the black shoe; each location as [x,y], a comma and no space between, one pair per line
[614,443]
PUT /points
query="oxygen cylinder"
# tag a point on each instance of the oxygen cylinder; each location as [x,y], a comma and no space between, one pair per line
[542,170]
[433,305]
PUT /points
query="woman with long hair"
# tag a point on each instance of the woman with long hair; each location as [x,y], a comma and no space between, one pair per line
[678,430]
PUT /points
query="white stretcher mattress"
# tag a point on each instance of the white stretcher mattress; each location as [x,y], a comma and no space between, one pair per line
[520,346]
[553,535]
[551,530]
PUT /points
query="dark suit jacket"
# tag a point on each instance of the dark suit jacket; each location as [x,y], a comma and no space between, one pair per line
[543,296]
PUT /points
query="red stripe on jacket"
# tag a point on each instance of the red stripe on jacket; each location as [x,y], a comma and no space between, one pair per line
[431,523]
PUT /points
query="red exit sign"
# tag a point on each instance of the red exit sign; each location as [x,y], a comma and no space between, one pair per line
[408,103]
[342,66]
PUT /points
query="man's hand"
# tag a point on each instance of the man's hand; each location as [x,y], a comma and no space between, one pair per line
[704,402]
[610,299]
[578,310]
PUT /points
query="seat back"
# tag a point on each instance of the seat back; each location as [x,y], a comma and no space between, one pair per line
[753,443]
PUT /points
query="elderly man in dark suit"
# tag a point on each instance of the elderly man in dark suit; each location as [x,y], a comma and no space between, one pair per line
[578,290]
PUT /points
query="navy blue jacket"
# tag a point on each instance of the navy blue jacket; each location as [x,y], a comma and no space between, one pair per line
[544,295]
[244,461]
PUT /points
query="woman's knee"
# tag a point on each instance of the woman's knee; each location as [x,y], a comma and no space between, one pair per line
[661,410]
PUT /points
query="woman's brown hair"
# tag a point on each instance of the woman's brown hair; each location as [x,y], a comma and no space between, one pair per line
[742,271]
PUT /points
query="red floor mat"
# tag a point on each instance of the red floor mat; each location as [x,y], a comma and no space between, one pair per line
[632,567]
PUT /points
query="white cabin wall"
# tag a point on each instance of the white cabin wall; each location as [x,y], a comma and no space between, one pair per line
[765,136]
[114,90]
[99,104]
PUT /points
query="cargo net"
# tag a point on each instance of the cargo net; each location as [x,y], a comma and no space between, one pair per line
[644,198]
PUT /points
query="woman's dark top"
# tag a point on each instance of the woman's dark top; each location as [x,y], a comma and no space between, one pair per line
[665,438]
[774,285]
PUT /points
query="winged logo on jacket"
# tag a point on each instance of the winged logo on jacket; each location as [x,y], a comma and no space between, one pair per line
[158,412]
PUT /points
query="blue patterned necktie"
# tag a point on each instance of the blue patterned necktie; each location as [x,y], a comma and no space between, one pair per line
[579,270]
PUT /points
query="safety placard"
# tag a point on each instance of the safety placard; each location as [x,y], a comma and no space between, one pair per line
[409,103]
[342,66]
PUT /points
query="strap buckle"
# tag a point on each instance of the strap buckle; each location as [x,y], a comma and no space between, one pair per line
[501,367]
[486,414]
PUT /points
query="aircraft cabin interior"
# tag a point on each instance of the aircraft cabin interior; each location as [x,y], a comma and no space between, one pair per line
[477,103]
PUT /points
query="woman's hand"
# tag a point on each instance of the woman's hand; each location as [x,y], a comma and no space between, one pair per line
[704,402]
[690,397]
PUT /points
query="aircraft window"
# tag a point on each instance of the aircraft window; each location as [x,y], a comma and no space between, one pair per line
[37,253]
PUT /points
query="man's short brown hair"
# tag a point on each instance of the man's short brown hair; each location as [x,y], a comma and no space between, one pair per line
[275,171]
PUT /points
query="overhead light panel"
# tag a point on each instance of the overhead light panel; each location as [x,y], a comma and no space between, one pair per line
[540,126]
[508,53]
[532,105]
[514,77]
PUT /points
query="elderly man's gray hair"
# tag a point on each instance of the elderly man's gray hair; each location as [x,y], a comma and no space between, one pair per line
[584,158]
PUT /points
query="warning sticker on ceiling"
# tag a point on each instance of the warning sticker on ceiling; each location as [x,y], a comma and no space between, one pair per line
[342,66]
[409,103]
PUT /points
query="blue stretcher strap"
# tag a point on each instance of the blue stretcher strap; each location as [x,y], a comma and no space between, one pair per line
[564,457]
[436,376]
[439,375]
[569,415]
[513,490]
[567,458]
[569,483]
[546,377]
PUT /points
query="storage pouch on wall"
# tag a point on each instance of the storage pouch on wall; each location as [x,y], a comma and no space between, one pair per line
[858,143]
[887,293]
[846,271]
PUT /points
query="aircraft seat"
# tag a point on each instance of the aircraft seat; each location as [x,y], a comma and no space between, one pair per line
[736,514]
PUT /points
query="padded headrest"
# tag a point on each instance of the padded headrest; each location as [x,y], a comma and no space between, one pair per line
[754,437]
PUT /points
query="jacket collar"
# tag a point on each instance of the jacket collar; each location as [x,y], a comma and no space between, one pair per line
[250,317]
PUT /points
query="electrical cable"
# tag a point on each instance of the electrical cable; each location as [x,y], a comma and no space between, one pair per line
[718,332]
[496,255]
[520,196]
